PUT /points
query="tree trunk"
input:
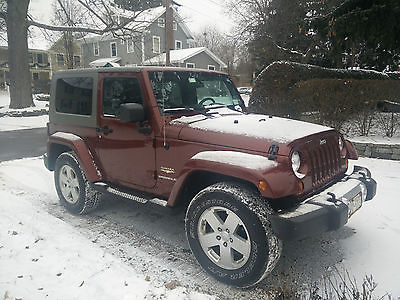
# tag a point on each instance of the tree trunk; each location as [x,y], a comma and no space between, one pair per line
[20,76]
[69,49]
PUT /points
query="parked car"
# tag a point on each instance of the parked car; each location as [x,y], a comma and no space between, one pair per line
[182,137]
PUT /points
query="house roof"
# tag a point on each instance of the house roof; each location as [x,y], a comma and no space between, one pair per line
[180,56]
[105,62]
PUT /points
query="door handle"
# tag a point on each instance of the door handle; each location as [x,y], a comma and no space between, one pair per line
[104,129]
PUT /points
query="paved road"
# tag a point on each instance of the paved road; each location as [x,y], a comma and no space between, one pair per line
[22,143]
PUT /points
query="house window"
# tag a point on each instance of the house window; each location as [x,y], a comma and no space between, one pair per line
[156,44]
[39,58]
[77,61]
[178,45]
[190,65]
[161,22]
[35,76]
[211,67]
[113,48]
[30,57]
[130,45]
[96,49]
[175,26]
[60,59]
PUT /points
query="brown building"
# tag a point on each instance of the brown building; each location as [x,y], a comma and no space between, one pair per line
[42,64]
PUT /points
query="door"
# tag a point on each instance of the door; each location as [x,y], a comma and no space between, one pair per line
[127,157]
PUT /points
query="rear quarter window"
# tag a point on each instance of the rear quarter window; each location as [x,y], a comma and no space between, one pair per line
[74,95]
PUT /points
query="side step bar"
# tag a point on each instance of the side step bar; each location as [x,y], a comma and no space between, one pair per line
[131,195]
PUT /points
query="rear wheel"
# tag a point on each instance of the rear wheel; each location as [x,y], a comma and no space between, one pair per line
[229,233]
[73,189]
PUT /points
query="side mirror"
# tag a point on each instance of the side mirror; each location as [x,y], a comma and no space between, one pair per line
[131,112]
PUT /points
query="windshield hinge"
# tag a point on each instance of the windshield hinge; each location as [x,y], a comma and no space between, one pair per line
[273,150]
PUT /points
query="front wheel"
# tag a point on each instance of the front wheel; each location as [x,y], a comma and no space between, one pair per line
[229,233]
[73,189]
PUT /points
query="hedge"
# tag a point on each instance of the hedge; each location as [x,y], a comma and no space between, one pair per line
[293,90]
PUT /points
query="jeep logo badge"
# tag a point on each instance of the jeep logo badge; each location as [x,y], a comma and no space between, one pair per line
[322,142]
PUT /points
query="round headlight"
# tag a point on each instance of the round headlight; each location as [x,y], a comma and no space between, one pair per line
[296,161]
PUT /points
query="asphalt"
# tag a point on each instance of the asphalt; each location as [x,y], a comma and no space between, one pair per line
[22,143]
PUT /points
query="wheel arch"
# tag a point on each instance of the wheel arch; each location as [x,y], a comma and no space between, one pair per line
[197,180]
[60,142]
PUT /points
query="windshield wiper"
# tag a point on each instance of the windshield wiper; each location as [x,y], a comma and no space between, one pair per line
[179,109]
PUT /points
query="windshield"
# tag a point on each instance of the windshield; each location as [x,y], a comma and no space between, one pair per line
[177,91]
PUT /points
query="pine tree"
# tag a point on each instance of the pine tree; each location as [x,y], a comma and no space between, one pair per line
[363,33]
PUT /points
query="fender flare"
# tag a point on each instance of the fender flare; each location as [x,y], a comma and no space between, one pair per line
[351,151]
[78,145]
[244,166]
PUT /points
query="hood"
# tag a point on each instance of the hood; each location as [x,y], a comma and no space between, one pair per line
[251,131]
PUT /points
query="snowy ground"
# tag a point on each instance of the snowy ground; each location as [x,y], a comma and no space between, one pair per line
[42,256]
[18,123]
[44,251]
[125,251]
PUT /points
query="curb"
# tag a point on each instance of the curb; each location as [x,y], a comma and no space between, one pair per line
[382,151]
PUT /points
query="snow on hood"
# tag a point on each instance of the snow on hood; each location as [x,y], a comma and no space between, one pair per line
[240,159]
[276,129]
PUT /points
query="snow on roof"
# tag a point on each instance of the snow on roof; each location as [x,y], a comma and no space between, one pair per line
[180,56]
[108,61]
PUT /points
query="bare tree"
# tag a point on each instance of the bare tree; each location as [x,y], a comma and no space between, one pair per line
[280,29]
[67,13]
[225,47]
[99,18]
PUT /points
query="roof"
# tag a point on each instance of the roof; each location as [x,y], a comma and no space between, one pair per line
[124,69]
[105,62]
[180,56]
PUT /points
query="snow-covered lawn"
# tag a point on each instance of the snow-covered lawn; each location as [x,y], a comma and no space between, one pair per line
[42,256]
[17,123]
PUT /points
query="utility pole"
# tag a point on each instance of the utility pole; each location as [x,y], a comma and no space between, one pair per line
[169,32]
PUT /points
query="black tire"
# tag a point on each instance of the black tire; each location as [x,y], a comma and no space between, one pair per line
[243,255]
[73,189]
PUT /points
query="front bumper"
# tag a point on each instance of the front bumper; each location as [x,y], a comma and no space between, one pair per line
[326,211]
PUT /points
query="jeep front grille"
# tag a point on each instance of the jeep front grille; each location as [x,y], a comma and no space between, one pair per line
[324,161]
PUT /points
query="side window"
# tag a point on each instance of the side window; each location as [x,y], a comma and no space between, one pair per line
[74,95]
[156,44]
[119,90]
[113,49]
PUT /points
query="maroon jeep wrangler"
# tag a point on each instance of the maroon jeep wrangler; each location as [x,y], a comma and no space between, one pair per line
[183,137]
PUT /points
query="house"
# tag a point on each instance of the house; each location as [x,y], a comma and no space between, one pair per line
[60,59]
[199,57]
[146,42]
[39,66]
